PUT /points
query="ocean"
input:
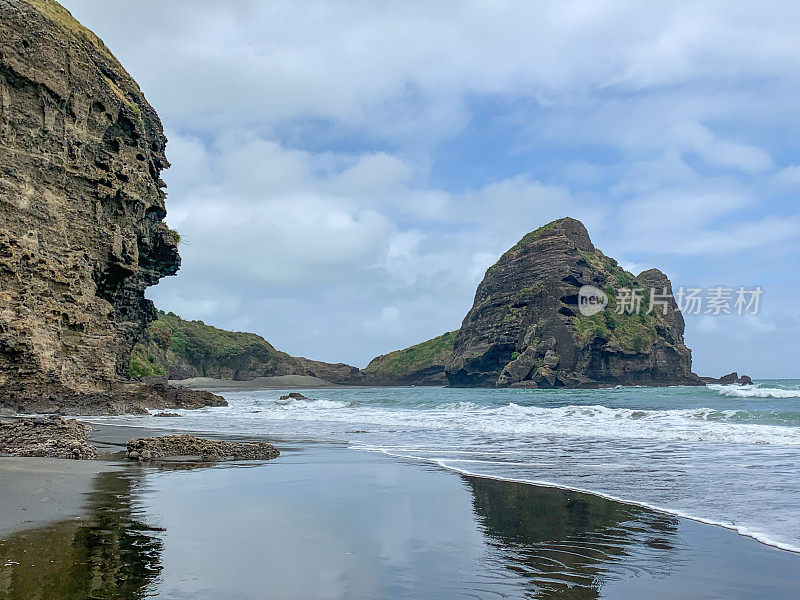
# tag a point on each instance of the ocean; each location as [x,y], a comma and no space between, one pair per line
[725,455]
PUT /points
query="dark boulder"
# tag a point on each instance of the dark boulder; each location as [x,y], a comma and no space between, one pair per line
[729,379]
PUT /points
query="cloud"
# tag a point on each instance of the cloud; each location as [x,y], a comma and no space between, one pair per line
[387,322]
[694,137]
[789,175]
[744,237]
[334,160]
[409,66]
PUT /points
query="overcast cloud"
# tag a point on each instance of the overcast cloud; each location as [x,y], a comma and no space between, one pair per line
[344,172]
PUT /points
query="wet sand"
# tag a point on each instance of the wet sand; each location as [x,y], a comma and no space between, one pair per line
[280,382]
[38,491]
[323,521]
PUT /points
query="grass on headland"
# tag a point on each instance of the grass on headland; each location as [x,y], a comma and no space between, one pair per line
[421,356]
[199,343]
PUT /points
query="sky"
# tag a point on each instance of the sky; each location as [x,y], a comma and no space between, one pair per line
[343,172]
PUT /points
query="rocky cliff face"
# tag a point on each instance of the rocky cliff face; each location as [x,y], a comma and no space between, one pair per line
[525,329]
[81,204]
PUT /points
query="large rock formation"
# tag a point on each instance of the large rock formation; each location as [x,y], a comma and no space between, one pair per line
[81,205]
[422,364]
[525,328]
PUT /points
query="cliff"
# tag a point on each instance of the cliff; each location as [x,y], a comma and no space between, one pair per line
[525,328]
[183,349]
[422,364]
[81,208]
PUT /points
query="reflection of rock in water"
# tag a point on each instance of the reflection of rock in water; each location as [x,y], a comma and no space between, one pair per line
[113,555]
[568,543]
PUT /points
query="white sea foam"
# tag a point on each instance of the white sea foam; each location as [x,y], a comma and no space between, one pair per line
[697,424]
[754,391]
[596,421]
[709,454]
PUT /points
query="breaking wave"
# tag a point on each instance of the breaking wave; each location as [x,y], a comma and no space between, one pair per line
[708,453]
[755,391]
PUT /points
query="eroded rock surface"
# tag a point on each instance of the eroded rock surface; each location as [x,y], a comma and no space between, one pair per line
[525,328]
[52,437]
[144,449]
[81,204]
[81,219]
[119,398]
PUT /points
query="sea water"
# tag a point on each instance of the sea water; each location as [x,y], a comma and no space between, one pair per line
[727,455]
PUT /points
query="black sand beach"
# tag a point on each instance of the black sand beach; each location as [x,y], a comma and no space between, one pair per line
[323,521]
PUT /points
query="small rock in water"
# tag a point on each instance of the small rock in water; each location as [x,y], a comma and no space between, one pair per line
[166,414]
[294,396]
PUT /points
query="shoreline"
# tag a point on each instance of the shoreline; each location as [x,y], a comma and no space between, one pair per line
[743,532]
[280,382]
[308,382]
[329,503]
[106,436]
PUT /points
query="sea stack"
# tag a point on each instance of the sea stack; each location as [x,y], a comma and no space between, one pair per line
[81,204]
[525,328]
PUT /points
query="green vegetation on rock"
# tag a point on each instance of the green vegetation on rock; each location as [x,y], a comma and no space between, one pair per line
[624,331]
[627,332]
[174,235]
[423,356]
[535,235]
[188,349]
[143,364]
[64,19]
[618,277]
[204,345]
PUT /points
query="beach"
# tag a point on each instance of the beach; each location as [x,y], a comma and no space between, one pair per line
[707,453]
[327,521]
[278,382]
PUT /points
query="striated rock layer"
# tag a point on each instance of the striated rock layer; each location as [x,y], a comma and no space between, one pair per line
[525,329]
[81,205]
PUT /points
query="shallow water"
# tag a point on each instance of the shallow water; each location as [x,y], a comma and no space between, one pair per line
[327,522]
[723,454]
